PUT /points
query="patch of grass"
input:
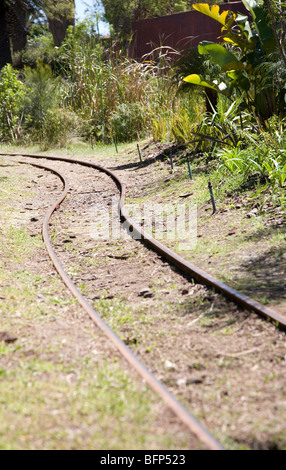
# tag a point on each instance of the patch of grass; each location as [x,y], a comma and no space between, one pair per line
[115,312]
[109,397]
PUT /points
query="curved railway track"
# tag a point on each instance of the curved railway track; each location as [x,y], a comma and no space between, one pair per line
[173,258]
[193,425]
[196,273]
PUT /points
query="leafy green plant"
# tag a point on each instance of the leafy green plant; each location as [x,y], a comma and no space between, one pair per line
[41,94]
[40,46]
[225,126]
[244,48]
[265,155]
[91,92]
[116,96]
[234,159]
[95,87]
[59,125]
[128,122]
[11,92]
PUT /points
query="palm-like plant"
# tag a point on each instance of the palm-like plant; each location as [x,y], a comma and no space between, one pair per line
[244,48]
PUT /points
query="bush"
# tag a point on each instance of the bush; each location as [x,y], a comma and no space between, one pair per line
[264,155]
[59,126]
[40,47]
[129,122]
[41,94]
[11,92]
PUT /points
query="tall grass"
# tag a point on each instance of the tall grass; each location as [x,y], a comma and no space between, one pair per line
[119,97]
[87,91]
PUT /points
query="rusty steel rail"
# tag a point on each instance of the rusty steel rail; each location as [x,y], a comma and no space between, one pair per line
[196,273]
[185,417]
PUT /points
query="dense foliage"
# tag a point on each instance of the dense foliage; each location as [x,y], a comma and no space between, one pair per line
[245,56]
[246,127]
[84,92]
[11,92]
[121,13]
[16,17]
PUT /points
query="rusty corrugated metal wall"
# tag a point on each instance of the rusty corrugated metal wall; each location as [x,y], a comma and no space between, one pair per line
[179,31]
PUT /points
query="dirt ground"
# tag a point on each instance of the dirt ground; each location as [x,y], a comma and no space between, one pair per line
[226,365]
[62,384]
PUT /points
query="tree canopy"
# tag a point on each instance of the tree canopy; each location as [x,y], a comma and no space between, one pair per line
[15,16]
[121,13]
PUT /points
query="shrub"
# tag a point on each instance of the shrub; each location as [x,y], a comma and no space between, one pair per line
[11,92]
[128,122]
[40,46]
[265,154]
[59,126]
[41,94]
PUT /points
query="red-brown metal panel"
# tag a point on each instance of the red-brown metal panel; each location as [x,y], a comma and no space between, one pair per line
[179,31]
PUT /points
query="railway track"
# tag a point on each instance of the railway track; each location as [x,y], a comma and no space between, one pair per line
[198,274]
[194,426]
[174,259]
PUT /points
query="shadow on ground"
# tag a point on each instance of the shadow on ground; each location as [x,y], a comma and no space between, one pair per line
[263,277]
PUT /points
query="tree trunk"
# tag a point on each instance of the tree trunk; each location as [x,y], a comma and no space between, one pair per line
[17,26]
[58,28]
[5,51]
[60,17]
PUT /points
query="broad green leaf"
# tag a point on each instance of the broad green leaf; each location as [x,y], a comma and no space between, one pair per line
[240,40]
[265,32]
[213,12]
[195,79]
[243,22]
[219,54]
[231,66]
[239,80]
[232,110]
